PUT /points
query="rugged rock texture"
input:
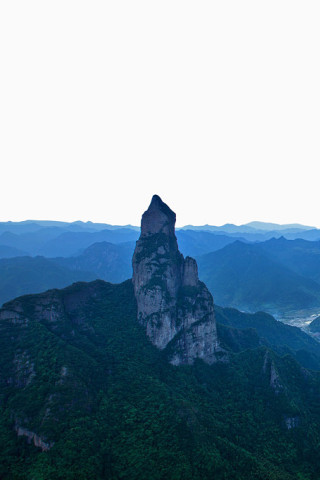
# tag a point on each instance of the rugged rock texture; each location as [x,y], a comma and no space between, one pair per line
[173,305]
[51,306]
[33,437]
[269,368]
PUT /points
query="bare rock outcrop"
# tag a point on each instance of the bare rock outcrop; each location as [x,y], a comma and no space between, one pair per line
[33,438]
[269,368]
[173,305]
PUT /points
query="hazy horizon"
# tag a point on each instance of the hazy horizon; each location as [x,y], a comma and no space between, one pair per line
[290,225]
[213,106]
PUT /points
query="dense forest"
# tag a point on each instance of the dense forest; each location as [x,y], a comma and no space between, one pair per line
[106,404]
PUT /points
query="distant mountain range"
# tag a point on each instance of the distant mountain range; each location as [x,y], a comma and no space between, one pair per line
[253,227]
[149,379]
[107,261]
[9,252]
[33,225]
[277,226]
[247,270]
[57,241]
[24,275]
[276,275]
[52,239]
[53,242]
[301,256]
[80,255]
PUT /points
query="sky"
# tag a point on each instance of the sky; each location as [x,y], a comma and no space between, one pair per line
[213,105]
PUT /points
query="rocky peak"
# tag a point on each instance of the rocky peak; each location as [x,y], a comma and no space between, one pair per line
[190,273]
[173,305]
[159,218]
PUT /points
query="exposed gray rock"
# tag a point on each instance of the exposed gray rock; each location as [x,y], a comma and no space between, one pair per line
[12,316]
[292,422]
[173,305]
[33,437]
[158,218]
[269,368]
[24,370]
[197,341]
[190,273]
[50,307]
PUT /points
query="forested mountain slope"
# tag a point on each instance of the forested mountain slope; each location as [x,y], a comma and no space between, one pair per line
[81,380]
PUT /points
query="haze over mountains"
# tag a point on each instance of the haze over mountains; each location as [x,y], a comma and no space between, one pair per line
[251,267]
[276,275]
[149,378]
[50,238]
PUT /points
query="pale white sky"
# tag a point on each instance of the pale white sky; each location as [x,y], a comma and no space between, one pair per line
[213,105]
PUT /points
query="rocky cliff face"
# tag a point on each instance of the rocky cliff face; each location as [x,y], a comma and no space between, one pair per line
[173,305]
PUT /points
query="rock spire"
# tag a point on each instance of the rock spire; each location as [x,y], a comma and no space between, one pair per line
[173,305]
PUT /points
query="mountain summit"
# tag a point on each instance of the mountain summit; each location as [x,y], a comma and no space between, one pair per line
[173,305]
[159,218]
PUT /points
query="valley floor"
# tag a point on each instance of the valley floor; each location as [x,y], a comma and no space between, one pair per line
[300,318]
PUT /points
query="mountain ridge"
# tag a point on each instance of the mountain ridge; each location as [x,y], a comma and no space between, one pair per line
[88,387]
[164,417]
[248,277]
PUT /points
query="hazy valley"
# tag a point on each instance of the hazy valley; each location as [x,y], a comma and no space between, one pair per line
[251,267]
[152,377]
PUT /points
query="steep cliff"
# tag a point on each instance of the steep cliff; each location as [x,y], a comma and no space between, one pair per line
[173,305]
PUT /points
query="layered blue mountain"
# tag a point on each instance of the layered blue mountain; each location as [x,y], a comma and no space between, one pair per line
[54,241]
[315,325]
[89,388]
[71,240]
[277,275]
[24,275]
[107,261]
[51,239]
[11,252]
[197,242]
[301,256]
